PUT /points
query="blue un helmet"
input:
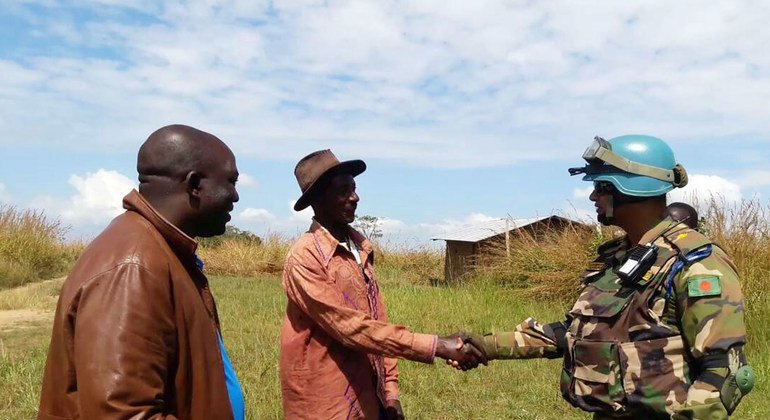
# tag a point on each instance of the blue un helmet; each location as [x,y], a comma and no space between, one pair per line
[636,165]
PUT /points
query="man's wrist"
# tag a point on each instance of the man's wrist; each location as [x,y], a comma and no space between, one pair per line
[435,346]
[423,348]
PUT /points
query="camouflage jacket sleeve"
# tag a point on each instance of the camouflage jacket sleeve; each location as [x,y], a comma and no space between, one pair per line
[529,340]
[710,311]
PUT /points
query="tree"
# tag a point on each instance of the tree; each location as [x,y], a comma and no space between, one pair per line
[370,226]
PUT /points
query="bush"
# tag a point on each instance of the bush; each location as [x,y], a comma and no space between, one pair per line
[32,247]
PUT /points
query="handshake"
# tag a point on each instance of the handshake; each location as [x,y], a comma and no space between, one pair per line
[462,351]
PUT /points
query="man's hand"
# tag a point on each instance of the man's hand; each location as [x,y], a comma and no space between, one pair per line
[459,354]
[393,410]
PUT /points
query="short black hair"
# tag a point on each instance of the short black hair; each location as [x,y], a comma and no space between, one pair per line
[684,213]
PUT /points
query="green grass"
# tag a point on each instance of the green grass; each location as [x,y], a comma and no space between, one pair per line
[503,390]
[22,358]
[252,312]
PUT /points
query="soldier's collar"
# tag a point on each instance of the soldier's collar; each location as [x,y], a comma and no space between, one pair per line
[665,226]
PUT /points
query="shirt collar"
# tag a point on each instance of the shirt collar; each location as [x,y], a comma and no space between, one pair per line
[178,240]
[327,244]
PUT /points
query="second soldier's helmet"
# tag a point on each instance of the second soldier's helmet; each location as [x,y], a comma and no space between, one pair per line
[637,165]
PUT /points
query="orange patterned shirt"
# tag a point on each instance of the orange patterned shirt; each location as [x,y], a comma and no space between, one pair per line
[337,348]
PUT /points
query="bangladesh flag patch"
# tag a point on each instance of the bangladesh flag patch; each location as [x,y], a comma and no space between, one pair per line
[703,286]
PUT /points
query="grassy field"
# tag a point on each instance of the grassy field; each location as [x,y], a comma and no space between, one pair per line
[252,311]
[538,278]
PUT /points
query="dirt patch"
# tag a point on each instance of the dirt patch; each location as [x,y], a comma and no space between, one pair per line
[23,318]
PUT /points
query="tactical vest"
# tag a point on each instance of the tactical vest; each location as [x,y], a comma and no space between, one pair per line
[624,350]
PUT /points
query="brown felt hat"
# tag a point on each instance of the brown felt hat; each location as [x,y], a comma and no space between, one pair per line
[317,164]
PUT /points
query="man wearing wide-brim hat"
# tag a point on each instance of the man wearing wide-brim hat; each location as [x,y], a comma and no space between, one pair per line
[338,351]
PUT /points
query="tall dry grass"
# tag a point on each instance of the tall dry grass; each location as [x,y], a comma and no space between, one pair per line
[545,264]
[743,231]
[32,247]
[244,257]
[408,263]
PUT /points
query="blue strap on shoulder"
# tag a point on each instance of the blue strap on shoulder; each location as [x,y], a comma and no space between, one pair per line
[688,259]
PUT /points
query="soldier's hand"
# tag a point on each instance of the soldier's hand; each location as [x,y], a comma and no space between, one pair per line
[477,341]
[458,353]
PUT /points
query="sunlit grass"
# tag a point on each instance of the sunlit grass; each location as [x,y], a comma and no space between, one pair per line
[32,247]
[246,257]
[239,257]
[252,311]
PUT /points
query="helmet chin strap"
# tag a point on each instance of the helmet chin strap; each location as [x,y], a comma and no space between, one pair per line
[614,201]
[609,211]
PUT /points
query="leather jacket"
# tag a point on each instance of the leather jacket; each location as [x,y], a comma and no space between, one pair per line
[135,330]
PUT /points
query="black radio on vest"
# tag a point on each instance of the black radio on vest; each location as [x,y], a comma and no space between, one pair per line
[640,260]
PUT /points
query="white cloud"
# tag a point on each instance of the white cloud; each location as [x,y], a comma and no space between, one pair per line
[702,188]
[754,179]
[99,197]
[391,226]
[300,217]
[256,215]
[490,85]
[263,222]
[582,193]
[474,218]
[450,224]
[246,181]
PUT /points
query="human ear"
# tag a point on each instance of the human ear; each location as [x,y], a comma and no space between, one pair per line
[193,184]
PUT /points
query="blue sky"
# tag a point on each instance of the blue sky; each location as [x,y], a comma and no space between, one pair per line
[464,111]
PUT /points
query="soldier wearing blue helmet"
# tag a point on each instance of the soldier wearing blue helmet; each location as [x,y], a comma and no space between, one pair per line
[657,330]
[631,169]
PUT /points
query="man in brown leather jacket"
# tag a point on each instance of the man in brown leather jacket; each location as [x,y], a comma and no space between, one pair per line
[136,332]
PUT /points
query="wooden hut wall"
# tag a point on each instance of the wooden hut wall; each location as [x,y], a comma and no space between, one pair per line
[458,254]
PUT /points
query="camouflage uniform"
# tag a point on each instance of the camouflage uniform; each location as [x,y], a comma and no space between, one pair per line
[661,347]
